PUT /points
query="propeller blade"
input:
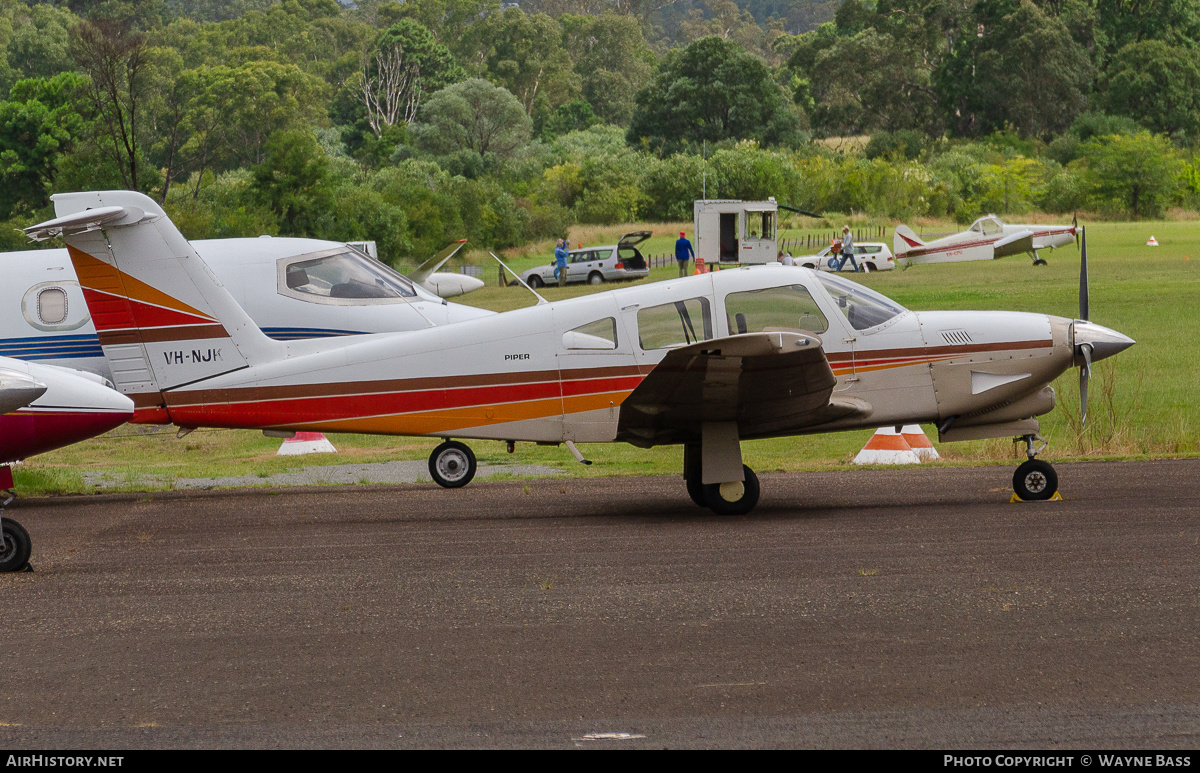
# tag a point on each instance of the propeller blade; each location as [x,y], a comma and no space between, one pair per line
[1085,372]
[1075,225]
[1083,279]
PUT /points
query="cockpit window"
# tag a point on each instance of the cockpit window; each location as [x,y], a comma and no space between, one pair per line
[341,276]
[987,226]
[862,307]
[772,309]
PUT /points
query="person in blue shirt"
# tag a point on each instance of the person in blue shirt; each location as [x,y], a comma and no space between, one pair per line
[560,262]
[683,253]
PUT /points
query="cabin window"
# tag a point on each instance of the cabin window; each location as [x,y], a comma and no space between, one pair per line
[52,306]
[675,324]
[601,334]
[759,225]
[789,308]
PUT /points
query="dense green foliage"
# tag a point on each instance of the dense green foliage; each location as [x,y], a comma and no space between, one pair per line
[414,123]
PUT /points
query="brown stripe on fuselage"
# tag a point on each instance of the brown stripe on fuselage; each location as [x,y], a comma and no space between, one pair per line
[161,334]
[935,351]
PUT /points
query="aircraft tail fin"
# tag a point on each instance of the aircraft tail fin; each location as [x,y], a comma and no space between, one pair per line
[904,240]
[162,316]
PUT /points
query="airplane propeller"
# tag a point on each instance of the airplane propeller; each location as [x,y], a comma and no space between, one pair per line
[1092,342]
[1075,225]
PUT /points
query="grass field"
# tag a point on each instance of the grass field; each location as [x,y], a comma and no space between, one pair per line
[1142,403]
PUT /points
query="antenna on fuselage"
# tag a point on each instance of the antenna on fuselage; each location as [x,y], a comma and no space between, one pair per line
[541,300]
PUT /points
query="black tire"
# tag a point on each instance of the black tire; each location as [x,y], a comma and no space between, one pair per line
[452,465]
[595,278]
[1035,480]
[1039,262]
[869,267]
[535,281]
[15,551]
[744,504]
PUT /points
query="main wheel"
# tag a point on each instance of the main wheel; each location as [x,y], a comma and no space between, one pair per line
[736,498]
[452,465]
[1035,480]
[1039,262]
[535,281]
[14,553]
[595,278]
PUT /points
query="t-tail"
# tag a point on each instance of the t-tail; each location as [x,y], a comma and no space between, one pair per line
[163,318]
[904,240]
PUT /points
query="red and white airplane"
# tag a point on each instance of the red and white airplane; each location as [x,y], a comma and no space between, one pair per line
[986,239]
[705,361]
[46,407]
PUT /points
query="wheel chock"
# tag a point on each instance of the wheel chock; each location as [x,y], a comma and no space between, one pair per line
[1056,498]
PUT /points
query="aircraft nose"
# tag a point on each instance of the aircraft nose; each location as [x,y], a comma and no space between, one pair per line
[1104,341]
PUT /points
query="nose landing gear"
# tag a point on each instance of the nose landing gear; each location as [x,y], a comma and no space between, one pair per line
[1034,480]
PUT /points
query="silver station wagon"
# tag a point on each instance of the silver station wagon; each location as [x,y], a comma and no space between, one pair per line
[596,265]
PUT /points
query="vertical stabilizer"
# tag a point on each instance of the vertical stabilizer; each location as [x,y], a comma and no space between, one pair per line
[162,316]
[904,240]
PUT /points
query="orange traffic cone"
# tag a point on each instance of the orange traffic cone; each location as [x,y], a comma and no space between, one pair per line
[1153,242]
[887,446]
[919,442]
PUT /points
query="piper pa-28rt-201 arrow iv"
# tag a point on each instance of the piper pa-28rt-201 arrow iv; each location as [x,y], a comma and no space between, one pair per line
[705,361]
[987,238]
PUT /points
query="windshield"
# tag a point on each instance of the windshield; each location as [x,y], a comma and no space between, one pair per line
[342,273]
[863,308]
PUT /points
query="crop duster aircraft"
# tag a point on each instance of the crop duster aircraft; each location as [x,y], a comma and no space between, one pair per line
[987,238]
[705,361]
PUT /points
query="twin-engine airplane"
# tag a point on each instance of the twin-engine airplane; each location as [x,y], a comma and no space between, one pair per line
[43,407]
[986,239]
[705,361]
[292,288]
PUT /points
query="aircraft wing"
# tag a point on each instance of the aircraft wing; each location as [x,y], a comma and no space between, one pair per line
[770,383]
[423,271]
[1014,244]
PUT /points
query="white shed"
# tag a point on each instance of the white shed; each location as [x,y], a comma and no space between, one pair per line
[730,231]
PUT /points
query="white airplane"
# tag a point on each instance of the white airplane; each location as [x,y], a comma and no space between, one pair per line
[46,407]
[986,239]
[292,289]
[705,361]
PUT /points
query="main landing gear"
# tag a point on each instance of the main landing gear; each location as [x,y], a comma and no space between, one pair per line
[452,464]
[1034,480]
[732,498]
[15,547]
[1038,261]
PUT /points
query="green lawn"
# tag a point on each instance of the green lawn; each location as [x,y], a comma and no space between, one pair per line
[1141,403]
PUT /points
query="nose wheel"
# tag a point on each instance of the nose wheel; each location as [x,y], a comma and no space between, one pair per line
[1035,480]
[452,464]
[734,498]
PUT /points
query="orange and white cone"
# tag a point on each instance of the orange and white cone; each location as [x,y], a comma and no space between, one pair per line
[306,443]
[1152,243]
[887,446]
[918,441]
